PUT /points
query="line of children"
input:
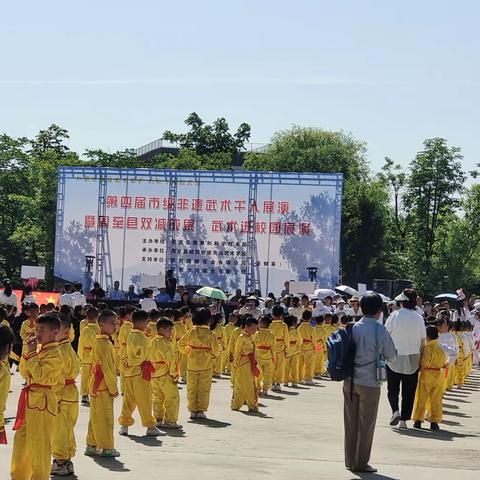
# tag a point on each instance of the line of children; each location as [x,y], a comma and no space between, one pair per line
[265,347]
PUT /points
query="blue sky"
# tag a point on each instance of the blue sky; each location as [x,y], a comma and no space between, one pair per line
[117,74]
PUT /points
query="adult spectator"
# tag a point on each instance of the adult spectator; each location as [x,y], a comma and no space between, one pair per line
[236,297]
[178,294]
[163,296]
[170,284]
[7,297]
[419,306]
[148,303]
[251,308]
[27,295]
[131,295]
[66,297]
[77,296]
[361,397]
[268,306]
[286,290]
[185,299]
[355,310]
[116,293]
[407,329]
[97,292]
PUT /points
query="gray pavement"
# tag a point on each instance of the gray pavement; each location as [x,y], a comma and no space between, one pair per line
[298,435]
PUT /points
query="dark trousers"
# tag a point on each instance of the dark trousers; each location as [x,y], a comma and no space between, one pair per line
[359,416]
[409,386]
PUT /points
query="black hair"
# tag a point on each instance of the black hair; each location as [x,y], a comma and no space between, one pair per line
[164,322]
[183,311]
[7,339]
[32,306]
[290,320]
[216,320]
[319,319]
[265,320]
[101,306]
[201,316]
[278,311]
[92,313]
[334,319]
[177,315]
[3,313]
[306,315]
[154,315]
[295,301]
[432,332]
[77,286]
[459,308]
[168,312]
[457,326]
[52,319]
[65,321]
[371,303]
[250,321]
[139,316]
[105,315]
[411,303]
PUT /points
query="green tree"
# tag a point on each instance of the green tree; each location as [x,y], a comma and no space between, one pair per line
[187,159]
[120,159]
[207,139]
[433,194]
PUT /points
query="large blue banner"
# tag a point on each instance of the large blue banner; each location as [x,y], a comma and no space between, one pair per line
[232,229]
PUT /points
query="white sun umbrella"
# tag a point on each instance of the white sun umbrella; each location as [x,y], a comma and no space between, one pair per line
[321,293]
[348,290]
[384,297]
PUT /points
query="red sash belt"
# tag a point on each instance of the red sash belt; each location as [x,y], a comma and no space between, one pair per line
[307,341]
[264,347]
[195,347]
[253,364]
[69,381]
[22,403]
[147,370]
[97,378]
[432,369]
[3,436]
[446,372]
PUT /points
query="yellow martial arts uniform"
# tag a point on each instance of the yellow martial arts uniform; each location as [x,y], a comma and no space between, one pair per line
[83,324]
[85,346]
[32,445]
[151,330]
[178,331]
[229,328]
[320,347]
[125,330]
[63,440]
[201,347]
[264,347]
[231,350]
[244,386]
[71,334]
[103,389]
[430,383]
[137,386]
[189,323]
[116,352]
[459,364]
[307,351]
[282,342]
[292,357]
[219,331]
[4,389]
[166,399]
[27,330]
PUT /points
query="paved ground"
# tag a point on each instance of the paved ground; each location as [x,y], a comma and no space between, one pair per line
[299,435]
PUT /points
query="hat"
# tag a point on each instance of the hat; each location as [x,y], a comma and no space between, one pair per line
[253,297]
[341,300]
[401,298]
[355,298]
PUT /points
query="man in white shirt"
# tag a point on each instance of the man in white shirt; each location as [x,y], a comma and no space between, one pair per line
[66,297]
[148,303]
[77,296]
[408,333]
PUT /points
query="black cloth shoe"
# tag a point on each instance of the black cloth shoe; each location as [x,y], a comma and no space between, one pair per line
[434,426]
[417,424]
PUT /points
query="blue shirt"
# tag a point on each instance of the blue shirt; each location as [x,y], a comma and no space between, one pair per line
[117,295]
[366,333]
[163,298]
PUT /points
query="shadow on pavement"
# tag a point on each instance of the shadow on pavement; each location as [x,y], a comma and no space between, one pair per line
[442,435]
[144,440]
[172,432]
[255,414]
[373,476]
[451,423]
[111,464]
[456,414]
[209,422]
[291,394]
[273,397]
[446,405]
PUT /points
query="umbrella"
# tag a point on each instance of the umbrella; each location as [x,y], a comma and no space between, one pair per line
[384,297]
[321,293]
[348,290]
[212,293]
[446,296]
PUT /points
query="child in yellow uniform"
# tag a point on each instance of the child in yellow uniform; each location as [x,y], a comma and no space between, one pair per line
[282,343]
[460,363]
[307,348]
[138,370]
[265,344]
[292,353]
[27,328]
[103,389]
[430,382]
[229,328]
[219,330]
[320,346]
[179,330]
[187,319]
[7,339]
[153,317]
[85,346]
[231,346]
[63,440]
[201,347]
[244,386]
[125,314]
[37,406]
[166,399]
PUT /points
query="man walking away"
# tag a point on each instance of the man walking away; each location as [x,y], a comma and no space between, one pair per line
[361,396]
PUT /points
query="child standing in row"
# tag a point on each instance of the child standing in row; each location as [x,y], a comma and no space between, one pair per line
[7,339]
[219,331]
[27,330]
[292,353]
[282,343]
[37,406]
[307,348]
[166,399]
[179,330]
[320,346]
[265,346]
[430,383]
[201,347]
[63,440]
[138,371]
[103,389]
[244,387]
[229,328]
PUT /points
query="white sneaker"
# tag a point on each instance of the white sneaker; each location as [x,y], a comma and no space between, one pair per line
[201,415]
[112,453]
[171,425]
[153,432]
[395,419]
[294,385]
[309,382]
[123,430]
[402,424]
[60,468]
